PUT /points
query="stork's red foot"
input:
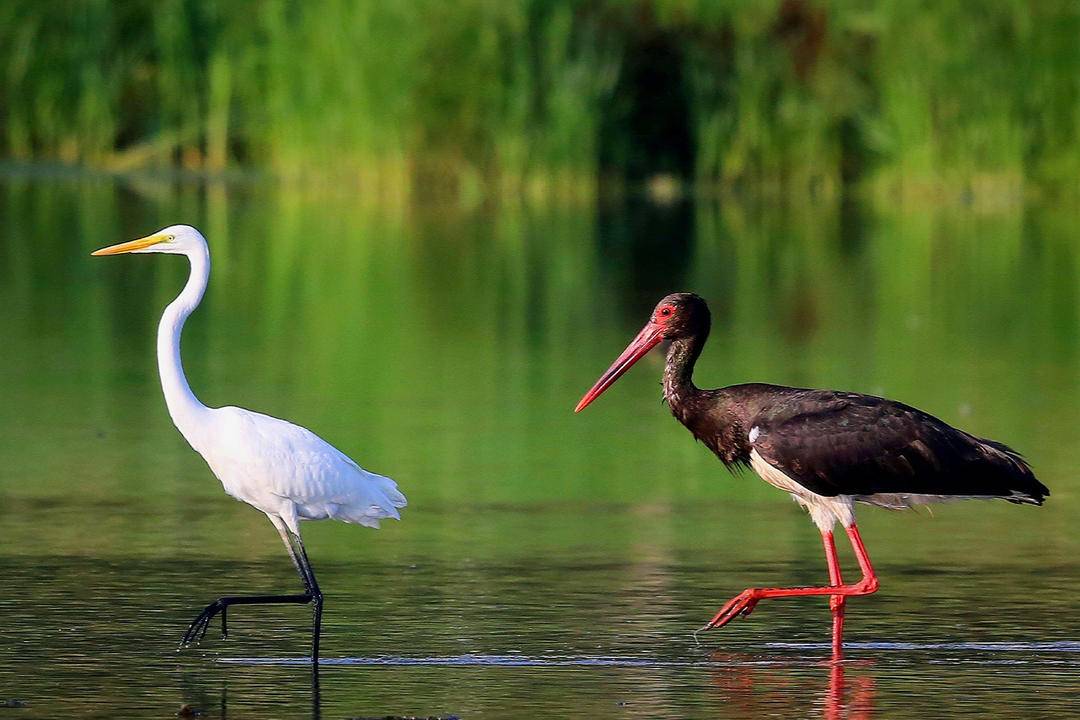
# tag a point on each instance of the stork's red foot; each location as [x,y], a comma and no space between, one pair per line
[742,604]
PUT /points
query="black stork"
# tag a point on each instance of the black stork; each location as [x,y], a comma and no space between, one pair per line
[829,449]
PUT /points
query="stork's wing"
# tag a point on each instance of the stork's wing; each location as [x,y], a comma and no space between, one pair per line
[850,444]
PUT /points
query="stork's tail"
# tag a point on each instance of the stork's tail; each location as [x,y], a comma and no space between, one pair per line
[1018,481]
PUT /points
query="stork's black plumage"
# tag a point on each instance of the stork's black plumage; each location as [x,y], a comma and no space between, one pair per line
[842,443]
[828,448]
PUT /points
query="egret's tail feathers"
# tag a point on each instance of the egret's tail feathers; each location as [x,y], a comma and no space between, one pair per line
[381,500]
[389,488]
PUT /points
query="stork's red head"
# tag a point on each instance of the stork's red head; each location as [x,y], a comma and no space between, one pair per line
[677,316]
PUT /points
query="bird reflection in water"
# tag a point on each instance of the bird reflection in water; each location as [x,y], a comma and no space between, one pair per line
[202,702]
[759,686]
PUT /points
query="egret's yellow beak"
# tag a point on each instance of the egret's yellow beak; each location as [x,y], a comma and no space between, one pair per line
[127,247]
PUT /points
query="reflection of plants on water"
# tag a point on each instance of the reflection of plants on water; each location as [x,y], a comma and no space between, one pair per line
[415,320]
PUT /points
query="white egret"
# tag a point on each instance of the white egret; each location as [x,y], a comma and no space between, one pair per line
[286,471]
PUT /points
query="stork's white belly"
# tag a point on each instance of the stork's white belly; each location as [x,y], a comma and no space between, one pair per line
[825,511]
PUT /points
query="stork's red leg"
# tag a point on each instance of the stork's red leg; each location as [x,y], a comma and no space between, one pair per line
[836,602]
[744,602]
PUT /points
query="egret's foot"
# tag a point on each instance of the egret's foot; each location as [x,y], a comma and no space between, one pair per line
[197,630]
[740,605]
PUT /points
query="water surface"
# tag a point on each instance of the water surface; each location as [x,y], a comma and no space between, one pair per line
[548,564]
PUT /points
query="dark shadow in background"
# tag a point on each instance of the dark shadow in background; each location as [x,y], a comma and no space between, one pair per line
[647,144]
[645,250]
[646,135]
[645,128]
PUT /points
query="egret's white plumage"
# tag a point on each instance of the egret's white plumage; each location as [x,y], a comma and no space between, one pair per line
[289,471]
[284,470]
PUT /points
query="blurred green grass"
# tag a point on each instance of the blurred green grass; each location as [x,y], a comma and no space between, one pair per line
[912,99]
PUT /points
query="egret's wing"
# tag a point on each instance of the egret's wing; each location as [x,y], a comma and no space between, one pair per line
[294,463]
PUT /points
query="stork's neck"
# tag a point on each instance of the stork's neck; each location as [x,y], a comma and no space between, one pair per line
[184,408]
[679,386]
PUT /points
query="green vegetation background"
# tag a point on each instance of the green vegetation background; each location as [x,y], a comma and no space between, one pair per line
[540,96]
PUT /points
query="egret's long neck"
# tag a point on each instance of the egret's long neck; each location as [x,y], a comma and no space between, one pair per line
[184,407]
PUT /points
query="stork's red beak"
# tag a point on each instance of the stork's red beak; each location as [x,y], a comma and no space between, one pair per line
[649,337]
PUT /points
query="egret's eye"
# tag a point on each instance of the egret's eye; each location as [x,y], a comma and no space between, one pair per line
[171,237]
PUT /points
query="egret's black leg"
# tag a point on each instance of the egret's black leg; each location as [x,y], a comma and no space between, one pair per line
[317,599]
[198,627]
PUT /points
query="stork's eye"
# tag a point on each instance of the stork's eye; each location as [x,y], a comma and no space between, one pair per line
[665,311]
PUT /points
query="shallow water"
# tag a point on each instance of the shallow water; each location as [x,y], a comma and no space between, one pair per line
[548,564]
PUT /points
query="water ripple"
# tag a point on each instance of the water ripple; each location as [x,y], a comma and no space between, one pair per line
[1066,646]
[502,661]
